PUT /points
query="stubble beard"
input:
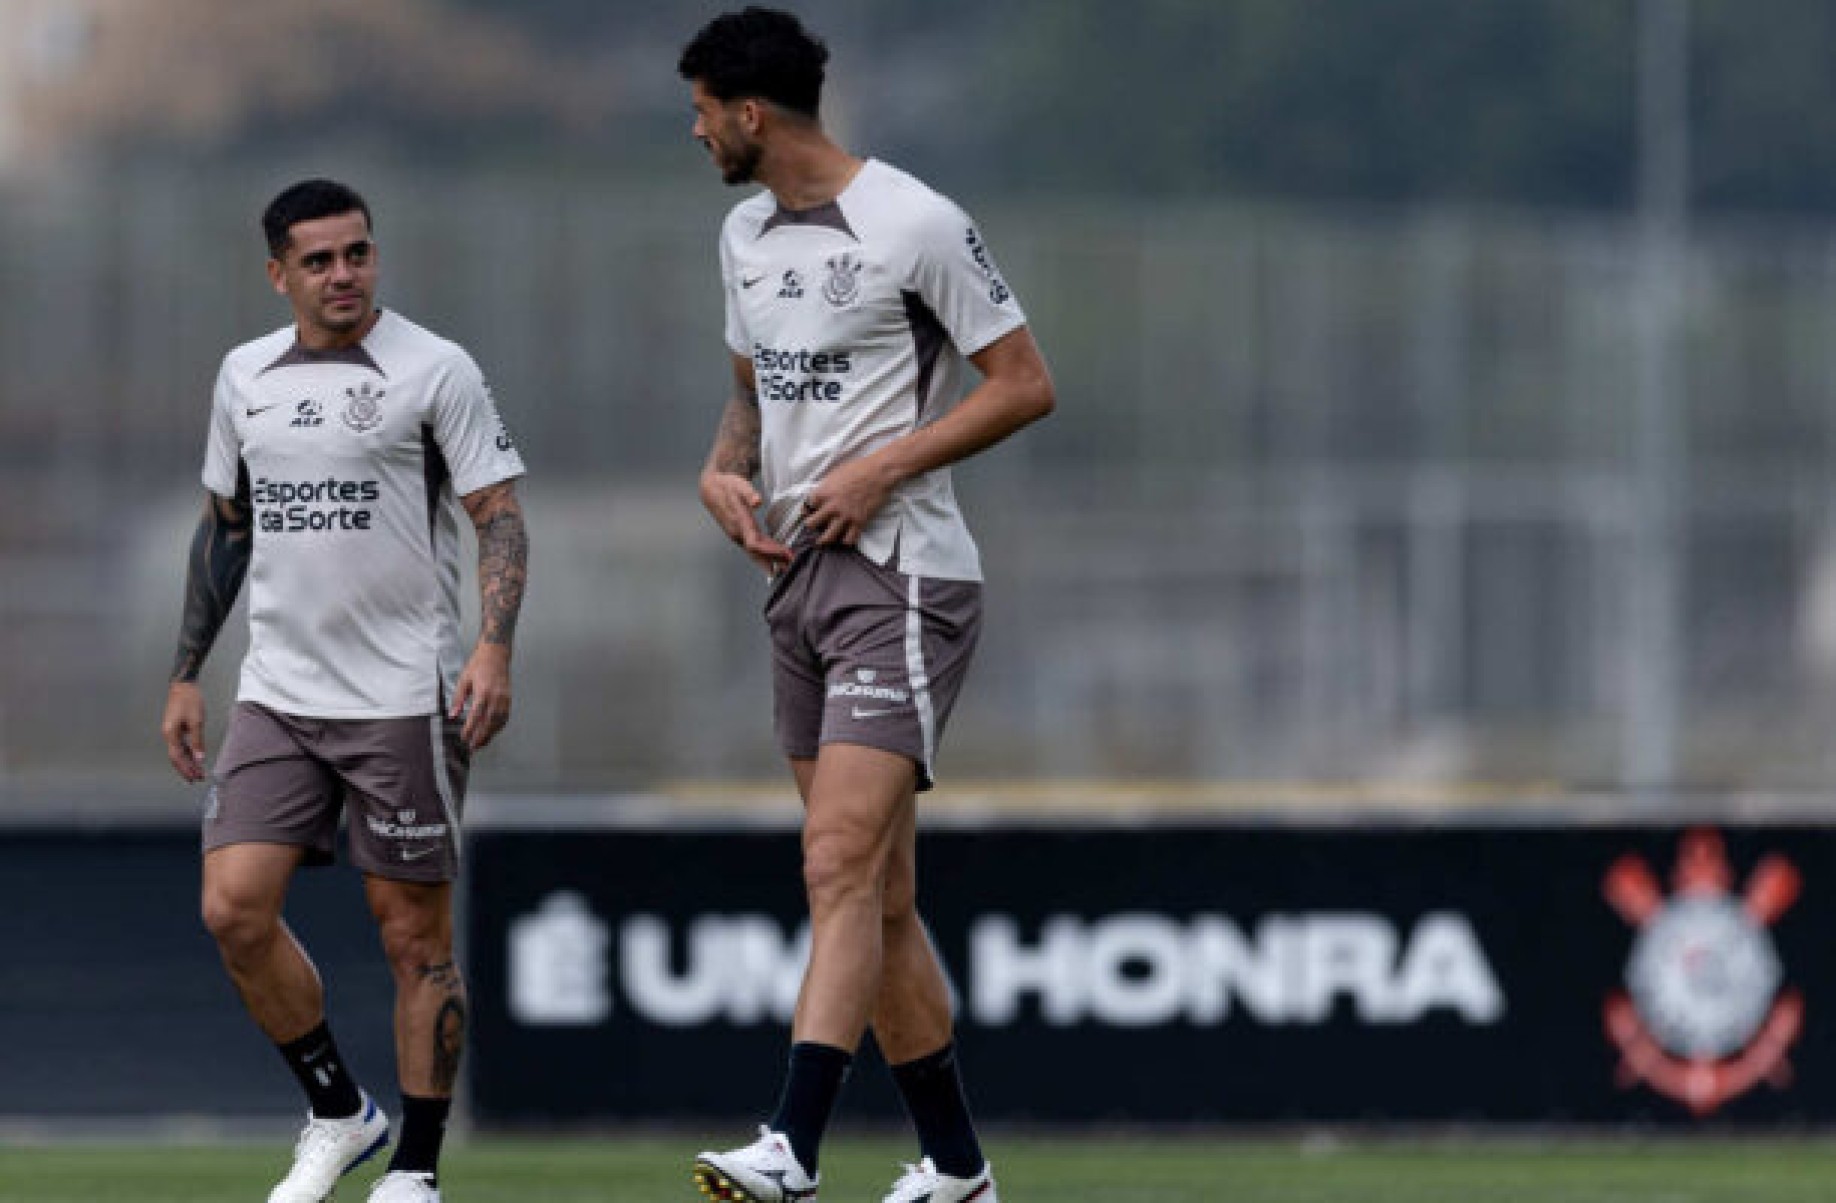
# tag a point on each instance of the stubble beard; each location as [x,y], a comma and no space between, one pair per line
[743,166]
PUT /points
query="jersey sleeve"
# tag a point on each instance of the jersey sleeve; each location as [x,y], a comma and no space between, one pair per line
[469,432]
[737,340]
[223,446]
[955,274]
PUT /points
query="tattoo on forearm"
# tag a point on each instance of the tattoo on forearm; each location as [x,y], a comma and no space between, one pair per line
[736,443]
[503,563]
[449,1024]
[219,561]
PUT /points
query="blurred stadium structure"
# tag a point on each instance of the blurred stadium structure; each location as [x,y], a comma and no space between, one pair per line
[1329,494]
[1334,491]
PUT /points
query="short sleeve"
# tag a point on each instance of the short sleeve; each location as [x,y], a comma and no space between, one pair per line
[737,340]
[955,274]
[223,446]
[469,431]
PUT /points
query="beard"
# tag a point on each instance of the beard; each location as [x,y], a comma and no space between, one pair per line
[340,322]
[742,165]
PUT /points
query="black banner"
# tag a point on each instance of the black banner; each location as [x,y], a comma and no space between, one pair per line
[113,1002]
[1190,973]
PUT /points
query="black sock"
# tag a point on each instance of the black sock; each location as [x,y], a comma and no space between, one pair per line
[811,1087]
[423,1129]
[933,1093]
[315,1060]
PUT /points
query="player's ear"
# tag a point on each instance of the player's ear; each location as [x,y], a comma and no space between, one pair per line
[751,115]
[277,276]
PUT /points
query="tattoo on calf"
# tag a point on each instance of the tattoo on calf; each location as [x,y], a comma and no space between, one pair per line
[449,1023]
[448,1043]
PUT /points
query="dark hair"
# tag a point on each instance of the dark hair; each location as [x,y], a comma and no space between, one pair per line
[307,200]
[762,53]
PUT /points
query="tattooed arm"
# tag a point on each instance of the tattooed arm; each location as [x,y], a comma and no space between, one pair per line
[726,479]
[503,567]
[219,561]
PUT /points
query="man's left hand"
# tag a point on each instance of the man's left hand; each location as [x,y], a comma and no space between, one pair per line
[838,509]
[484,687]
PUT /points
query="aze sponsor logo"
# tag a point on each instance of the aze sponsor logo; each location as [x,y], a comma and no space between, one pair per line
[1705,1015]
[791,286]
[308,413]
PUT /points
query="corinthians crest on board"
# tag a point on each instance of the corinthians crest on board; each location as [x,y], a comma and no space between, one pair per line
[1706,1014]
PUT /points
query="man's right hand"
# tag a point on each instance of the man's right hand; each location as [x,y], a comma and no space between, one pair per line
[183,728]
[734,503]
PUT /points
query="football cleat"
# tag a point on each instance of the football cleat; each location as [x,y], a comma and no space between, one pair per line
[401,1186]
[922,1183]
[328,1149]
[765,1171]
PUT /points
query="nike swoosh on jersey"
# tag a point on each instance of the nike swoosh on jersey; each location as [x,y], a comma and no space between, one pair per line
[857,712]
[252,411]
[745,283]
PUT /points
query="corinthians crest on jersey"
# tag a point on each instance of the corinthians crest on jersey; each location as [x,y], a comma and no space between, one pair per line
[363,407]
[1706,1014]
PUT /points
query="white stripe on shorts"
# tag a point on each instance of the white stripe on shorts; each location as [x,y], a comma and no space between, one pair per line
[915,672]
[436,726]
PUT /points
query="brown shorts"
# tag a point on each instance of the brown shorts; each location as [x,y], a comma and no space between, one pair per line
[864,654]
[282,779]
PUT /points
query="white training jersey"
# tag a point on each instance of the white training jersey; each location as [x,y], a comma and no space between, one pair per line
[353,462]
[857,315]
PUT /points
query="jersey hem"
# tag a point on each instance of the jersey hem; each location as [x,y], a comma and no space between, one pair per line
[292,710]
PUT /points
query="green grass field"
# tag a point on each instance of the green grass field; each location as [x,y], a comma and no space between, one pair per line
[1072,1170]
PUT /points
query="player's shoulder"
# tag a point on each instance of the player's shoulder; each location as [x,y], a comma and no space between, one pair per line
[898,203]
[401,346]
[252,356]
[748,217]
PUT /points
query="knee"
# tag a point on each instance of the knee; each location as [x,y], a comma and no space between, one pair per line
[837,867]
[415,942]
[240,928]
[899,901]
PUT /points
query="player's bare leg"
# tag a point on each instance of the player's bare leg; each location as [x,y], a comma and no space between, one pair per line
[860,802]
[415,921]
[911,1012]
[912,1023]
[245,886]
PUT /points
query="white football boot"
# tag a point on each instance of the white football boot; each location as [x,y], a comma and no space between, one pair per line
[765,1171]
[327,1150]
[922,1183]
[402,1186]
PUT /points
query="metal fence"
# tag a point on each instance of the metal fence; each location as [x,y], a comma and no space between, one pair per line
[1330,494]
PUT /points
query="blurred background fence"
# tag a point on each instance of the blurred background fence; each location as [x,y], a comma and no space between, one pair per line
[1331,492]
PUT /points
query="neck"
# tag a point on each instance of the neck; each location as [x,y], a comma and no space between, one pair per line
[318,338]
[806,169]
